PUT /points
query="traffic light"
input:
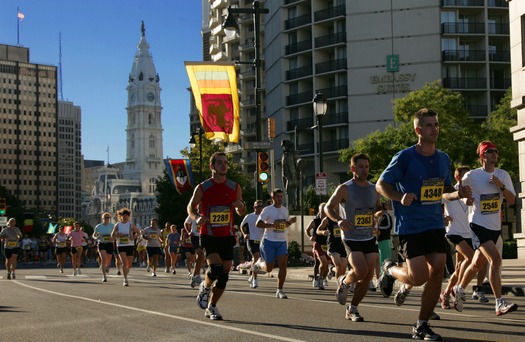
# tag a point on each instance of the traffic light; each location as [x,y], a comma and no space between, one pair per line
[263,167]
[3,207]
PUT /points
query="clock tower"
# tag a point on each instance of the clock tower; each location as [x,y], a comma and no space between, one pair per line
[144,130]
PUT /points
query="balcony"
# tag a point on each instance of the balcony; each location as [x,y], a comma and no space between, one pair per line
[300,124]
[463,3]
[299,98]
[288,2]
[330,13]
[453,27]
[498,3]
[297,21]
[465,82]
[463,55]
[298,47]
[499,28]
[334,65]
[339,91]
[330,39]
[500,56]
[500,83]
[335,118]
[299,72]
[335,145]
[305,148]
[477,110]
[249,44]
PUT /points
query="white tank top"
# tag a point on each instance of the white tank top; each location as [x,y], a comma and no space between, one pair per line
[125,228]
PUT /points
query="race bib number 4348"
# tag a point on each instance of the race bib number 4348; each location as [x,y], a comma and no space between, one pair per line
[432,190]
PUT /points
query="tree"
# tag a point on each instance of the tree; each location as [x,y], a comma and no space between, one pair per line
[458,132]
[496,129]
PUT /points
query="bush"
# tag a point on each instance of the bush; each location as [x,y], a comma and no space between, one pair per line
[510,249]
[294,250]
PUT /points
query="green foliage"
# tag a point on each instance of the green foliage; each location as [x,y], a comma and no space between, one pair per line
[459,134]
[496,129]
[294,250]
[510,249]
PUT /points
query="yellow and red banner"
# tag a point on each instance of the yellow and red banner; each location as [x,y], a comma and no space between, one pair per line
[214,87]
[179,171]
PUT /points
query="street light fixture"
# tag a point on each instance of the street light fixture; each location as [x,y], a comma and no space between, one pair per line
[230,27]
[192,143]
[320,107]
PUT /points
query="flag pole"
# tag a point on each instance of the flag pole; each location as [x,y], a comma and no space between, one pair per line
[17,27]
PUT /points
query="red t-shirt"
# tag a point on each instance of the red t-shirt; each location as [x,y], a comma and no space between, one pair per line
[217,199]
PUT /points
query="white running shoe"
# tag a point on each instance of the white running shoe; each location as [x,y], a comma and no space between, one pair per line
[503,307]
[213,313]
[255,283]
[203,296]
[458,297]
[280,294]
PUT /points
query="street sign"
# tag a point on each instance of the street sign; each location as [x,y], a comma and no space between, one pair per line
[3,220]
[320,183]
[258,145]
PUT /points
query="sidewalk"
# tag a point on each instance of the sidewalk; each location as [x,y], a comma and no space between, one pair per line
[513,276]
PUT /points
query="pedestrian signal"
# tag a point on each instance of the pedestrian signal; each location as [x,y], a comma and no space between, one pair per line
[3,206]
[263,167]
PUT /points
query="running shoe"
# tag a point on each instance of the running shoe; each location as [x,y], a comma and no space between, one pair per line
[104,279]
[434,316]
[257,268]
[166,270]
[148,269]
[125,283]
[255,283]
[194,282]
[320,284]
[331,272]
[78,272]
[174,271]
[372,287]
[13,275]
[153,274]
[423,332]
[250,280]
[315,282]
[8,275]
[503,307]
[458,297]
[353,315]
[479,296]
[74,272]
[280,294]
[445,300]
[386,281]
[401,295]
[342,292]
[203,296]
[213,313]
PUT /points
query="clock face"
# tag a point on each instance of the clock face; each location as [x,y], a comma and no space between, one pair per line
[151,96]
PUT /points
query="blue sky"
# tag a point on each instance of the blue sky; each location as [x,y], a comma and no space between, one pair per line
[99,41]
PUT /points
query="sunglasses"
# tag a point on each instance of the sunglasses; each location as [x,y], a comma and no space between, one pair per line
[107,217]
[491,150]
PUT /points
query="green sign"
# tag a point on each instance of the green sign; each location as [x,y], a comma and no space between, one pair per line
[392,63]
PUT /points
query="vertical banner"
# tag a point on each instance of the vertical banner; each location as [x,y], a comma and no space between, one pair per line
[179,171]
[214,87]
[51,229]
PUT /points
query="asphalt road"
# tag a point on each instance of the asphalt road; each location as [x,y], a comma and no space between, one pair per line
[44,305]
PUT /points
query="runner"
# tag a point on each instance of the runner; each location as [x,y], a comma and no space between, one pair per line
[11,236]
[319,247]
[173,241]
[253,237]
[153,247]
[125,234]
[61,249]
[102,234]
[76,237]
[276,221]
[191,226]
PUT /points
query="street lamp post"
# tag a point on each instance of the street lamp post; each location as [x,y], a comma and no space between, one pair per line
[230,27]
[198,131]
[301,163]
[320,106]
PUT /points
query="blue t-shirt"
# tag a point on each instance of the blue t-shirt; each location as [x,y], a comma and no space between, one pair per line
[174,239]
[426,177]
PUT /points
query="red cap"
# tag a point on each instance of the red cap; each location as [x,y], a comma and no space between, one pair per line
[485,145]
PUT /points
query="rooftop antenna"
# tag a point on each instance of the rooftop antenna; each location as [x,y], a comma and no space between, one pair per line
[107,151]
[60,65]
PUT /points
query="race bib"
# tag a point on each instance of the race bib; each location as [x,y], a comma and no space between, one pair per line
[489,204]
[153,236]
[11,243]
[219,216]
[364,217]
[280,226]
[324,248]
[79,249]
[432,190]
[106,238]
[256,242]
[61,244]
[124,240]
[337,232]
